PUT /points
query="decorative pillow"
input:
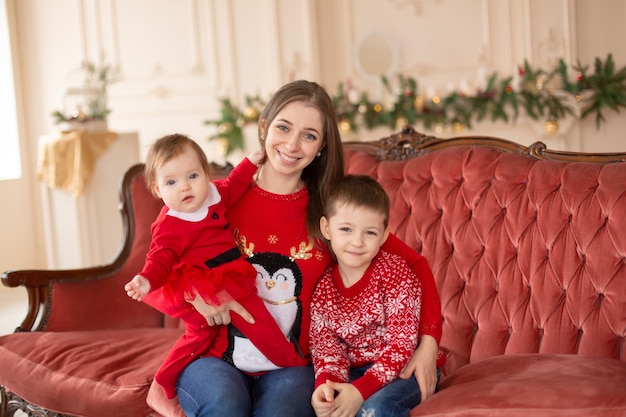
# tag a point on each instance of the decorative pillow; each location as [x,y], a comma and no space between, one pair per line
[535,385]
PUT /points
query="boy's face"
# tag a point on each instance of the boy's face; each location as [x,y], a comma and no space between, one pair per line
[182,183]
[356,234]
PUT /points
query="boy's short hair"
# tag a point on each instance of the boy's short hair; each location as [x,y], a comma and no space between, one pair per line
[166,148]
[358,191]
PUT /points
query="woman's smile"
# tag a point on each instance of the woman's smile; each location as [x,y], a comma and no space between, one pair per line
[287,158]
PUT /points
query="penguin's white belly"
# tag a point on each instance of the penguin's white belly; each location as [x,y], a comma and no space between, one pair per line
[248,358]
[284,314]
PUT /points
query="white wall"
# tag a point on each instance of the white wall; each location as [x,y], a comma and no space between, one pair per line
[178,57]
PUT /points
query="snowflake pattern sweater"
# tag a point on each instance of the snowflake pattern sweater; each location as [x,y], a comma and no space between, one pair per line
[375,321]
[271,228]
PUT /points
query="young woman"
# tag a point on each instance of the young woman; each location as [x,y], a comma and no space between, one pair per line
[276,223]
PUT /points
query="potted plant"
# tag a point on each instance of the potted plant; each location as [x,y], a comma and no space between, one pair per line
[85,106]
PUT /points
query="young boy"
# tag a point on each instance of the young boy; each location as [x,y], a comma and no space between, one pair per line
[193,252]
[365,310]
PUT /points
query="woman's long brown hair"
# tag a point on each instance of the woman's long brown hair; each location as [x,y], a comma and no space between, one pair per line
[324,171]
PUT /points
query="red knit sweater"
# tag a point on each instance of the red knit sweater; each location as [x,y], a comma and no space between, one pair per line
[375,321]
[272,229]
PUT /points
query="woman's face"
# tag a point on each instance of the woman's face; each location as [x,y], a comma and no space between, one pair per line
[294,138]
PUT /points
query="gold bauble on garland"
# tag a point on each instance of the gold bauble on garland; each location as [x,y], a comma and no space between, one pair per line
[224,128]
[344,126]
[419,103]
[401,122]
[551,127]
[251,113]
[458,127]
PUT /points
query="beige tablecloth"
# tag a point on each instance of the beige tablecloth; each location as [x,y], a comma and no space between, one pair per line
[66,161]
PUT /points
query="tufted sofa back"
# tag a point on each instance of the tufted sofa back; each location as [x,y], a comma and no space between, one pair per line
[529,254]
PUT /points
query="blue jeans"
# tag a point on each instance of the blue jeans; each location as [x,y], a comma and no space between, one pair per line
[211,387]
[393,400]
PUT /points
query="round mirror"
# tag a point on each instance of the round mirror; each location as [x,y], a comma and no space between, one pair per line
[376,54]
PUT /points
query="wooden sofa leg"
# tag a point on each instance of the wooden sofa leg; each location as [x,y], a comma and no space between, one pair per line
[11,403]
[4,400]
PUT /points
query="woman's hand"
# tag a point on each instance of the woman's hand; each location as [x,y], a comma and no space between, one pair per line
[256,157]
[423,365]
[218,315]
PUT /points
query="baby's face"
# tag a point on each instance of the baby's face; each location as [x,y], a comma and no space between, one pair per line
[182,183]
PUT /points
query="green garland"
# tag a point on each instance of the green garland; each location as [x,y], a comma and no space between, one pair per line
[542,95]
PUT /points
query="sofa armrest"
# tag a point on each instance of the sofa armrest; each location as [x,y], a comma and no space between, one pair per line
[41,284]
[94,298]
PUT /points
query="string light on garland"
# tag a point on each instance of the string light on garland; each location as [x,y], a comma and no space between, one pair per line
[541,95]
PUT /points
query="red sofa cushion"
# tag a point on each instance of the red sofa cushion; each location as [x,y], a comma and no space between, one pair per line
[535,385]
[117,385]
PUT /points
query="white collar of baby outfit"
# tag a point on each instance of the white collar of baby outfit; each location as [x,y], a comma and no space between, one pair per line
[200,214]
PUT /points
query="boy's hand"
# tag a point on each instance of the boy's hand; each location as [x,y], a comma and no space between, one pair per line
[137,288]
[323,400]
[348,401]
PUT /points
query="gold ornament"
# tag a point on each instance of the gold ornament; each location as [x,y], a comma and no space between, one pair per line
[224,128]
[251,113]
[344,126]
[551,127]
[419,103]
[401,122]
[458,127]
[79,115]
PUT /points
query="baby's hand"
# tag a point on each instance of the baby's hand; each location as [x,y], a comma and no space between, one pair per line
[137,288]
[256,157]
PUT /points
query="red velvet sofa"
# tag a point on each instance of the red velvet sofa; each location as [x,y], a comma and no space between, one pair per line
[528,250]
[527,245]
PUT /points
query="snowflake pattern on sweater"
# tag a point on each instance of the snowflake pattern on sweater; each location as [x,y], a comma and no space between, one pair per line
[375,321]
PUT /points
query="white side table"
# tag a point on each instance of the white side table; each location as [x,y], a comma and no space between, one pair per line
[86,230]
